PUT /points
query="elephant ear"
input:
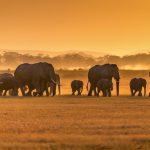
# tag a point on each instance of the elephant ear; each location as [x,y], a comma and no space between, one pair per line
[112,68]
[140,81]
[111,71]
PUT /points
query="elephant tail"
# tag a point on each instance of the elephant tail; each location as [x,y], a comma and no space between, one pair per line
[87,85]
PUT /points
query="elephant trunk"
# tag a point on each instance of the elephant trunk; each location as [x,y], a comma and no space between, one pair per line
[54,86]
[59,89]
[87,86]
[54,82]
[54,89]
[117,88]
[145,90]
[58,82]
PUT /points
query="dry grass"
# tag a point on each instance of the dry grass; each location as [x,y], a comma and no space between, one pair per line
[83,123]
[77,123]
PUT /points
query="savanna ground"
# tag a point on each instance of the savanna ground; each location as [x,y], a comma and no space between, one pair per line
[77,123]
[65,122]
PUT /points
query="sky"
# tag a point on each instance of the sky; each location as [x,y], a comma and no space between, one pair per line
[117,27]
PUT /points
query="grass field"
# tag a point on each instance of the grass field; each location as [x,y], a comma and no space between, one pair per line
[83,123]
[77,123]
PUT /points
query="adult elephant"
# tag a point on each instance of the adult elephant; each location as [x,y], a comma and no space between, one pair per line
[52,85]
[44,87]
[35,76]
[136,85]
[106,71]
[7,82]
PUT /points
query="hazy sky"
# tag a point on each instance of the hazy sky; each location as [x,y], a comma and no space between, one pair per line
[107,26]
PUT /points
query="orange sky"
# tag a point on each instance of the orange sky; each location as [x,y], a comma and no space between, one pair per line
[108,26]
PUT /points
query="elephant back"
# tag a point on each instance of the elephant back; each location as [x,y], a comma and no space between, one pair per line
[76,84]
[100,71]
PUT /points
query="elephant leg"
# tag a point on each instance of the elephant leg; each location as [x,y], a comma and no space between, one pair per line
[95,92]
[47,93]
[35,93]
[131,89]
[36,84]
[44,87]
[10,92]
[41,93]
[98,92]
[79,92]
[54,90]
[22,90]
[31,88]
[15,91]
[1,92]
[140,93]
[29,93]
[134,92]
[104,93]
[5,93]
[90,91]
[51,90]
[109,92]
[73,92]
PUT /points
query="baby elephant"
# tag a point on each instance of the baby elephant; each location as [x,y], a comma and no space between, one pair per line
[77,85]
[7,83]
[106,86]
[136,85]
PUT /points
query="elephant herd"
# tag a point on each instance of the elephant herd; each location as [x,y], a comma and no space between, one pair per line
[28,77]
[100,79]
[35,79]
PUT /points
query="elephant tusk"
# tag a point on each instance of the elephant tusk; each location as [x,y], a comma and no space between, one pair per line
[54,81]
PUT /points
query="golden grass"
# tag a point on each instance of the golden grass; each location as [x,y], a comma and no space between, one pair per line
[82,123]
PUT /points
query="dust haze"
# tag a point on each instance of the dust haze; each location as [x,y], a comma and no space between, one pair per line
[74,60]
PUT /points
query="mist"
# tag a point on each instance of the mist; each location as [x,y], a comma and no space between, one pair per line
[70,61]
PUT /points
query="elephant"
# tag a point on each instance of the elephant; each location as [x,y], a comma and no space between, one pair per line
[51,85]
[35,76]
[77,85]
[106,86]
[7,83]
[136,84]
[46,85]
[106,71]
